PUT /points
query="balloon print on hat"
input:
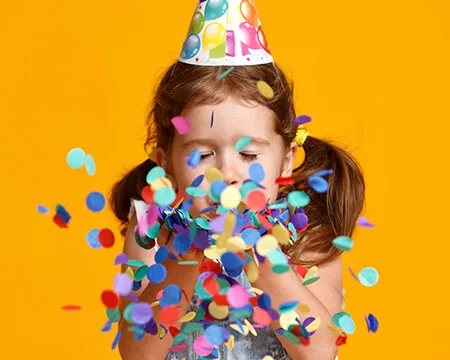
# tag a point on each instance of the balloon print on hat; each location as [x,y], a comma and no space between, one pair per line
[197,23]
[191,46]
[213,36]
[248,11]
[215,9]
[262,39]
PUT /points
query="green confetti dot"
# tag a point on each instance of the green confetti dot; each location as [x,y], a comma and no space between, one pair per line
[153,231]
[133,262]
[298,199]
[113,315]
[310,280]
[203,223]
[140,273]
[242,143]
[280,268]
[127,313]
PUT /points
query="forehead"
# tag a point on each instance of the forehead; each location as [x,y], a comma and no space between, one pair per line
[229,119]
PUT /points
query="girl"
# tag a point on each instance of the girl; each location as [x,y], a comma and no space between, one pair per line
[221,111]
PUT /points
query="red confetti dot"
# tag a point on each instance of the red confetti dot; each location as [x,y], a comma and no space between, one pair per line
[256,200]
[110,299]
[301,270]
[106,238]
[209,265]
[264,222]
[261,316]
[341,340]
[304,341]
[59,221]
[159,295]
[173,331]
[71,307]
[221,300]
[284,181]
[147,194]
[170,315]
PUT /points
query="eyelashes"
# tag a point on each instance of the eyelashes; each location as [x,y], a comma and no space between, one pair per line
[245,156]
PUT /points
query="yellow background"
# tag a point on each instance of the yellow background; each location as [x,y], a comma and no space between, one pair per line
[373,75]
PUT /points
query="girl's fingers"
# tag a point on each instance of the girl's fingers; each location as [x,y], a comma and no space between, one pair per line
[164,236]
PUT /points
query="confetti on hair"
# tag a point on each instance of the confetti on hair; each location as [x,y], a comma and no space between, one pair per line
[301,120]
[181,124]
[343,243]
[225,73]
[265,89]
[363,222]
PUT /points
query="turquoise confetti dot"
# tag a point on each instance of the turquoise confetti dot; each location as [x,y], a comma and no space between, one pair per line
[203,223]
[247,187]
[153,231]
[90,165]
[242,143]
[155,173]
[92,239]
[343,243]
[368,276]
[195,191]
[277,257]
[344,321]
[164,196]
[298,199]
[76,158]
[113,315]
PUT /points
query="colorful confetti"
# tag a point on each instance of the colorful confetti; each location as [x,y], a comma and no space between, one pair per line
[95,201]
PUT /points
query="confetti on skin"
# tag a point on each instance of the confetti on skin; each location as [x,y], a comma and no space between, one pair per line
[71,307]
[265,89]
[76,158]
[344,321]
[181,124]
[90,165]
[368,276]
[95,201]
[42,210]
[343,243]
[301,120]
[123,284]
[142,313]
[242,143]
[194,159]
[363,222]
[225,73]
[353,274]
[156,273]
[212,120]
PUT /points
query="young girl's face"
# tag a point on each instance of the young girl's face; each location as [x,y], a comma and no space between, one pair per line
[216,144]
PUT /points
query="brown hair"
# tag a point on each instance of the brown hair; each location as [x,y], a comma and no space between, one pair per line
[330,214]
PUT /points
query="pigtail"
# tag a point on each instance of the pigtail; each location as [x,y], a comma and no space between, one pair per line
[333,213]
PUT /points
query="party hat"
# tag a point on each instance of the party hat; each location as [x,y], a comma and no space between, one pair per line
[225,32]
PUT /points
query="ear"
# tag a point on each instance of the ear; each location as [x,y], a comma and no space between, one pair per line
[162,160]
[289,159]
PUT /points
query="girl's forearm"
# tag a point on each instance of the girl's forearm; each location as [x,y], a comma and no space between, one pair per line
[277,286]
[151,347]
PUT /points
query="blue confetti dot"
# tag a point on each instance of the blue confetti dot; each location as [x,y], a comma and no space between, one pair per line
[156,273]
[250,236]
[137,285]
[90,165]
[264,301]
[42,210]
[194,159]
[198,180]
[172,294]
[162,254]
[256,172]
[76,158]
[318,184]
[214,335]
[231,263]
[181,243]
[92,239]
[95,201]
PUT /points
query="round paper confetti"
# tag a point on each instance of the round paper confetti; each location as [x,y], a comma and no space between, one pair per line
[95,201]
[76,158]
[155,173]
[141,273]
[142,313]
[188,317]
[162,254]
[106,238]
[121,259]
[343,243]
[217,311]
[264,89]
[256,172]
[172,294]
[213,174]
[113,315]
[181,124]
[262,317]
[318,183]
[123,284]
[42,210]
[156,273]
[302,119]
[195,191]
[298,199]
[237,296]
[230,197]
[110,299]
[266,244]
[214,335]
[256,200]
[344,321]
[242,143]
[250,236]
[164,196]
[368,276]
[170,315]
[181,243]
[92,239]
[90,165]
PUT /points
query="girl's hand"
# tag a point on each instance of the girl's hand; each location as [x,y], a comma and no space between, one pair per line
[166,236]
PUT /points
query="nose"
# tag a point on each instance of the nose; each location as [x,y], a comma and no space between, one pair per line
[230,172]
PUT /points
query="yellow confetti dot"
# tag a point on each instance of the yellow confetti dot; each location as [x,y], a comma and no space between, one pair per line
[335,329]
[230,342]
[213,252]
[250,327]
[314,325]
[130,273]
[267,357]
[238,329]
[303,308]
[265,89]
[187,317]
[230,223]
[159,183]
[241,207]
[230,197]
[288,319]
[212,174]
[236,243]
[257,291]
[266,244]
[281,233]
[155,304]
[313,271]
[218,311]
[252,272]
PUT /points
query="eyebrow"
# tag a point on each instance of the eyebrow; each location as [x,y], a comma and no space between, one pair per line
[210,142]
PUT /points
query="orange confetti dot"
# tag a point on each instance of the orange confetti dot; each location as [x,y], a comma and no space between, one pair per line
[262,317]
[256,200]
[170,315]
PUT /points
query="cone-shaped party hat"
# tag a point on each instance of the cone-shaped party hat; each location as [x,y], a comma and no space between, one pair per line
[225,32]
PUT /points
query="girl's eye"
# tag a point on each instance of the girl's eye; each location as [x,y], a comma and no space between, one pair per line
[249,157]
[205,155]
